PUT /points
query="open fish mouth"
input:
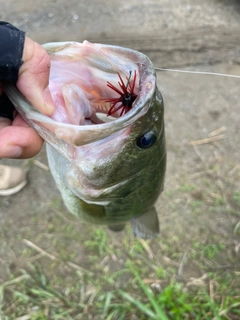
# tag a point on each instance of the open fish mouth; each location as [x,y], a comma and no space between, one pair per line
[93,78]
[91,84]
[96,85]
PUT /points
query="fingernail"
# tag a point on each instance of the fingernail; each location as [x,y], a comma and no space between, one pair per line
[12,152]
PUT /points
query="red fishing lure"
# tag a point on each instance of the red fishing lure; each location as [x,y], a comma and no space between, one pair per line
[127,95]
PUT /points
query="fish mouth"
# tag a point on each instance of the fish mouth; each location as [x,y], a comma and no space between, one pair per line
[95,84]
[91,85]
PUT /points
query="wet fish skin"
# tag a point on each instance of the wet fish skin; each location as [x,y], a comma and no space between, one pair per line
[101,170]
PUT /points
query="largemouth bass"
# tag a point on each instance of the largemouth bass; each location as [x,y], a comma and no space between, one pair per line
[105,140]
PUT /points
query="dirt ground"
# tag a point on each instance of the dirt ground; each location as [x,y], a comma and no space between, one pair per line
[201,200]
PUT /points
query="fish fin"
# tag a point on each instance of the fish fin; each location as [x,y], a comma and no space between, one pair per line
[147,225]
[116,227]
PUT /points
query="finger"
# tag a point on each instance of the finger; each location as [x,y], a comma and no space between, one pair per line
[18,141]
[34,77]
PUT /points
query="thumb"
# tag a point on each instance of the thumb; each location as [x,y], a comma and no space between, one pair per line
[34,77]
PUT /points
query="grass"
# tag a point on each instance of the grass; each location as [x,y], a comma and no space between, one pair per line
[123,279]
[133,283]
[118,284]
[33,296]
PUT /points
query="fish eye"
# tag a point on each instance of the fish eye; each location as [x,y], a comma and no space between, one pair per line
[147,140]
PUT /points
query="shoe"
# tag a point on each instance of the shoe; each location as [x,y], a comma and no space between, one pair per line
[12,180]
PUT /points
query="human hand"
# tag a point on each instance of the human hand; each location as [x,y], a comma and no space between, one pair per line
[17,139]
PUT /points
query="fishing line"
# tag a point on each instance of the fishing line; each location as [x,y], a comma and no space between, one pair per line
[130,73]
[200,72]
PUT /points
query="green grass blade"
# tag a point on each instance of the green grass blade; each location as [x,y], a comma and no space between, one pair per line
[107,303]
[213,307]
[138,304]
[160,313]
